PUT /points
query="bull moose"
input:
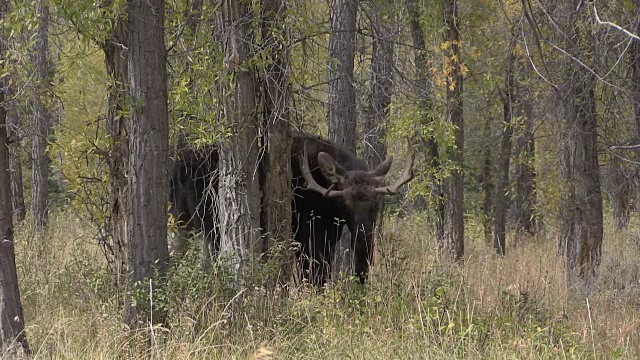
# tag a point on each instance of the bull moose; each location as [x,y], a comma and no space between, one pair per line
[331,188]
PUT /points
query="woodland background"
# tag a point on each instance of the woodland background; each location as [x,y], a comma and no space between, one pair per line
[519,236]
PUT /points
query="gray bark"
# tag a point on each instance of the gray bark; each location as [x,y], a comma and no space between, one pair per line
[239,194]
[12,335]
[116,62]
[453,244]
[15,164]
[581,228]
[525,173]
[487,186]
[41,121]
[342,99]
[381,88]
[146,221]
[276,161]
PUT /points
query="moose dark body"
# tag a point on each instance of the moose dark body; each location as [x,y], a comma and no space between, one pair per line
[193,185]
[338,190]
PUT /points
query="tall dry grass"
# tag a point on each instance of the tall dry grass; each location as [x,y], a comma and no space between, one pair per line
[415,306]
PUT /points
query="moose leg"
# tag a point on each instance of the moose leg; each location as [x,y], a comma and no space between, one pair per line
[362,247]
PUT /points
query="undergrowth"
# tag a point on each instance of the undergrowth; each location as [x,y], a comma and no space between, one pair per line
[415,306]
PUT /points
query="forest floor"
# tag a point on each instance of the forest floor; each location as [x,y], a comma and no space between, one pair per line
[415,306]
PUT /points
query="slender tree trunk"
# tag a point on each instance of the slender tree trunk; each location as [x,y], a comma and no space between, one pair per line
[581,227]
[276,163]
[635,66]
[117,126]
[41,122]
[146,221]
[12,335]
[15,164]
[525,173]
[342,102]
[239,195]
[342,99]
[425,93]
[453,245]
[381,90]
[487,185]
[504,160]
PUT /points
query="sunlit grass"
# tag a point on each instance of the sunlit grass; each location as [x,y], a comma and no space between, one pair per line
[415,306]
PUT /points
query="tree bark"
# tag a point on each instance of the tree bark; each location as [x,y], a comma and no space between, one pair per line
[12,335]
[276,161]
[342,99]
[453,245]
[381,89]
[239,195]
[424,88]
[117,127]
[146,221]
[487,186]
[504,160]
[525,173]
[41,122]
[581,228]
[15,164]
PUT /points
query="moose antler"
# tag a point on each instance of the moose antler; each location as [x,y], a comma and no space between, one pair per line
[311,182]
[407,175]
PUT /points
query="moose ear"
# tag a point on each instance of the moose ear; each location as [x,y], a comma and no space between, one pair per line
[382,169]
[331,169]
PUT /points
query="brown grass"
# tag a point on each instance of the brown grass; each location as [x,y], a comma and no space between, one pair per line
[414,307]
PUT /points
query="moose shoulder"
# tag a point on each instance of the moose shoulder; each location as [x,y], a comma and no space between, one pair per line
[331,186]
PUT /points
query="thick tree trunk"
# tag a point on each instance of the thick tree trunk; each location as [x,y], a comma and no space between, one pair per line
[381,90]
[453,244]
[116,61]
[525,172]
[581,227]
[41,122]
[12,335]
[15,164]
[504,159]
[342,99]
[276,163]
[424,88]
[239,195]
[146,220]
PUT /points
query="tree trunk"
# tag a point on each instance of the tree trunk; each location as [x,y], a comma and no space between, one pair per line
[239,194]
[424,88]
[453,245]
[381,89]
[15,164]
[487,185]
[117,128]
[146,221]
[276,161]
[41,122]
[635,65]
[12,335]
[342,99]
[581,226]
[525,171]
[504,160]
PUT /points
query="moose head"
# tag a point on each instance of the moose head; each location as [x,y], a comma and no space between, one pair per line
[358,193]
